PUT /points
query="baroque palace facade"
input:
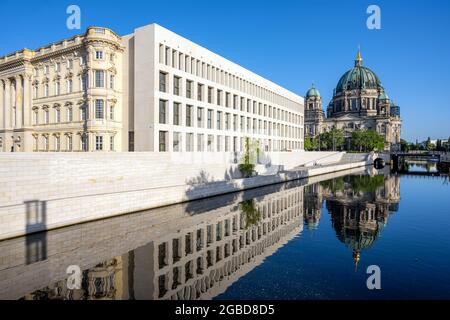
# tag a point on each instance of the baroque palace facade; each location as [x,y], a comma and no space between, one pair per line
[151,90]
[359,103]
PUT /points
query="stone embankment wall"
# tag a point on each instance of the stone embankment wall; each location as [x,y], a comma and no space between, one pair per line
[44,191]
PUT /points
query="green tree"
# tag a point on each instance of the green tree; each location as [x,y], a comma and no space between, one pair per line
[310,144]
[367,140]
[405,146]
[448,144]
[332,140]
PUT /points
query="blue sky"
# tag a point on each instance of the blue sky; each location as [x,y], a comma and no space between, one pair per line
[292,43]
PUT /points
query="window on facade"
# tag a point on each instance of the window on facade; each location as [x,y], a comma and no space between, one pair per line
[163,141]
[111,143]
[227,121]
[189,142]
[111,112]
[111,81]
[46,143]
[189,116]
[99,109]
[219,143]
[200,117]
[35,143]
[57,88]
[84,143]
[189,85]
[210,143]
[57,67]
[69,143]
[57,143]
[162,111]
[99,55]
[99,79]
[200,92]
[69,64]
[84,82]
[84,113]
[46,116]
[58,115]
[210,94]
[99,143]
[69,86]
[176,113]
[176,85]
[219,97]
[46,69]
[162,81]
[46,93]
[210,119]
[219,120]
[200,142]
[36,117]
[176,141]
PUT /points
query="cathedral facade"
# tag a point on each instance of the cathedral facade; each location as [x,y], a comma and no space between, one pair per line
[359,103]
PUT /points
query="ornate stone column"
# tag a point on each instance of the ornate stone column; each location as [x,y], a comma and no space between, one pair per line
[27,100]
[7,105]
[19,102]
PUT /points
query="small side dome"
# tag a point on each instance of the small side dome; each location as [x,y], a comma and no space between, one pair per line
[383,96]
[313,92]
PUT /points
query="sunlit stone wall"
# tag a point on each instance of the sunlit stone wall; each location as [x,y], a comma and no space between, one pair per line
[49,190]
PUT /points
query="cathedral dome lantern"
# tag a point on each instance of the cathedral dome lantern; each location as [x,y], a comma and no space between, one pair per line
[313,92]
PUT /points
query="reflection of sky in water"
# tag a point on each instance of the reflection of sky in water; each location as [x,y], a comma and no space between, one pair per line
[412,251]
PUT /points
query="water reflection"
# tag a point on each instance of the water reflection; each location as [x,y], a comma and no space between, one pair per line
[198,250]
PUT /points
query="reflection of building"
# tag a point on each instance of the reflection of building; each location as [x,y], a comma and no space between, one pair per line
[312,206]
[200,261]
[359,206]
[359,102]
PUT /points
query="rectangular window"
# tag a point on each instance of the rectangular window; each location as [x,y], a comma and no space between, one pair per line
[99,55]
[162,111]
[176,113]
[57,88]
[99,143]
[69,64]
[219,143]
[200,92]
[200,142]
[84,143]
[57,67]
[83,110]
[111,143]
[58,115]
[176,141]
[227,121]
[69,86]
[111,81]
[163,141]
[99,109]
[210,143]
[210,119]
[189,85]
[99,79]
[219,97]
[111,113]
[46,144]
[69,143]
[162,81]
[84,82]
[46,90]
[57,143]
[36,117]
[219,120]
[189,142]
[176,85]
[210,94]
[46,117]
[200,117]
[189,116]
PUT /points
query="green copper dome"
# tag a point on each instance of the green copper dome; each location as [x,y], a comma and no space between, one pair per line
[313,92]
[358,77]
[383,96]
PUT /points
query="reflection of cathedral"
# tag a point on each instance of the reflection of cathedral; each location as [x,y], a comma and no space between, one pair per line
[359,206]
[359,102]
[198,262]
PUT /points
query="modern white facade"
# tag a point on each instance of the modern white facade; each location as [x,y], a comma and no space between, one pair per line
[152,90]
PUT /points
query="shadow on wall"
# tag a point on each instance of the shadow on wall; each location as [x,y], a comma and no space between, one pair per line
[36,224]
[223,192]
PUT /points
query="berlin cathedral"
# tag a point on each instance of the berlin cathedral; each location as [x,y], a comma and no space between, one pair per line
[359,103]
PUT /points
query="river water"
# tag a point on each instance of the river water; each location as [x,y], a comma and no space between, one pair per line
[309,239]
